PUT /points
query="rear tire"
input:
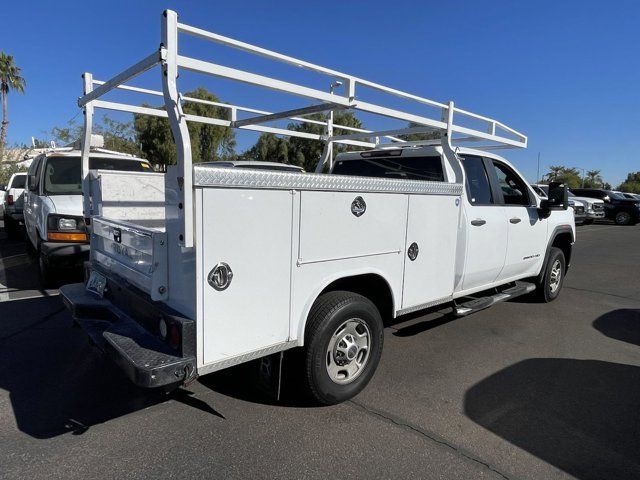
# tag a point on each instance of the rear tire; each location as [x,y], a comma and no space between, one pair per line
[343,346]
[588,221]
[549,286]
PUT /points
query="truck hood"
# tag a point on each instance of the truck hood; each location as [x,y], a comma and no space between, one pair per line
[67,204]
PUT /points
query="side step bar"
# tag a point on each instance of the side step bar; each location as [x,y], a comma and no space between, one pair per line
[477,304]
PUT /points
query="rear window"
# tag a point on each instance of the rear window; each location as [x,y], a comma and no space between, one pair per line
[62,175]
[408,168]
[18,181]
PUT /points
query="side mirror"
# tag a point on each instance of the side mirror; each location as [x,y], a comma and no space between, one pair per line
[31,182]
[606,198]
[558,197]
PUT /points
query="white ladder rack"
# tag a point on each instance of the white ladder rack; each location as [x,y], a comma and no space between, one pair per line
[444,120]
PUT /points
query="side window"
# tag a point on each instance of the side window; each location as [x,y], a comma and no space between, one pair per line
[514,190]
[478,187]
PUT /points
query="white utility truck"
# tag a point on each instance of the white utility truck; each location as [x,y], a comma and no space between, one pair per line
[227,265]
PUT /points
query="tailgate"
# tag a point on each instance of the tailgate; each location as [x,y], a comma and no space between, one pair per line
[135,253]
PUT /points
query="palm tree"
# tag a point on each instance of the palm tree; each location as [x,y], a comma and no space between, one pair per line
[554,172]
[10,79]
[594,177]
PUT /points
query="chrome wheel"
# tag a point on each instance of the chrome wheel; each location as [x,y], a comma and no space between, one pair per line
[556,276]
[348,351]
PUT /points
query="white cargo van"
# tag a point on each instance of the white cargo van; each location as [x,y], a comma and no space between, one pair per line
[246,263]
[55,227]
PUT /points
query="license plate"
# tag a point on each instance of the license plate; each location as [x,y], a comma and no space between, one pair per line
[97,283]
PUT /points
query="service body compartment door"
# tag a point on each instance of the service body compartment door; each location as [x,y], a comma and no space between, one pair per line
[432,232]
[251,232]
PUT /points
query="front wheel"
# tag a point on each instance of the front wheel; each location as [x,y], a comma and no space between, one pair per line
[343,345]
[550,284]
[47,277]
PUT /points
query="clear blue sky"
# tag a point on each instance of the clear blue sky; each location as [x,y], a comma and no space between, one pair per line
[565,73]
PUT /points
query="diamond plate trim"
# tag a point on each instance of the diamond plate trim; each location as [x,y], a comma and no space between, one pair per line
[422,306]
[230,362]
[268,179]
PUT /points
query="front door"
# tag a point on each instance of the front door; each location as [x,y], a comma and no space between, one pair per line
[527,229]
[485,223]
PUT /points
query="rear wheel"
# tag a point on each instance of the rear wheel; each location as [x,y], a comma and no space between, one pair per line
[588,221]
[343,345]
[623,218]
[549,286]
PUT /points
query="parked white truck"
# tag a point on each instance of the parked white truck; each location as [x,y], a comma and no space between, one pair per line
[226,265]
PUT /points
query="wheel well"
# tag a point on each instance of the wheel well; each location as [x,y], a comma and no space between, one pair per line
[369,285]
[563,242]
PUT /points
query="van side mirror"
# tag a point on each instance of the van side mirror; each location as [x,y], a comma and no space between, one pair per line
[558,197]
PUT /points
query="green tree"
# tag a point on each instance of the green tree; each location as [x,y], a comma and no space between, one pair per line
[10,79]
[568,175]
[119,136]
[208,142]
[416,137]
[300,151]
[593,179]
[631,184]
[7,170]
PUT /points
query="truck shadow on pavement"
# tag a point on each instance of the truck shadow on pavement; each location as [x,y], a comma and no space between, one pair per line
[623,325]
[57,382]
[581,416]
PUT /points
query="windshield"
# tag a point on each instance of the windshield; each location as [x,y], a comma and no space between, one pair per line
[18,181]
[616,196]
[409,168]
[62,175]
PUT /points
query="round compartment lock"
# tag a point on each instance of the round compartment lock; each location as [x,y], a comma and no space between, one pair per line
[413,251]
[358,206]
[220,276]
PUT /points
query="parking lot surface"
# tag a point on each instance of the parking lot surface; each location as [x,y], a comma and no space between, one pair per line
[520,391]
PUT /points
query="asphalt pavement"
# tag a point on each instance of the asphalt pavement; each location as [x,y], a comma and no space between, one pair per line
[520,391]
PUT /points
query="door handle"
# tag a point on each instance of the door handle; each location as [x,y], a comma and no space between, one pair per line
[515,220]
[478,222]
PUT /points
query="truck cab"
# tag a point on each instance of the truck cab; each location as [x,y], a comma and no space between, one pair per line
[13,204]
[53,217]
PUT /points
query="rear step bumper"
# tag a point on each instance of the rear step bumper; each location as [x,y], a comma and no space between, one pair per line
[480,303]
[147,361]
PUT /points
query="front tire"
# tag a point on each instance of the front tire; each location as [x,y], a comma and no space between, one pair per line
[551,283]
[47,278]
[343,346]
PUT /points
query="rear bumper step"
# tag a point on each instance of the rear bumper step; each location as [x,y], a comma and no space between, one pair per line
[147,361]
[480,303]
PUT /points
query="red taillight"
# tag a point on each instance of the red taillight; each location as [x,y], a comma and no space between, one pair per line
[9,199]
[174,336]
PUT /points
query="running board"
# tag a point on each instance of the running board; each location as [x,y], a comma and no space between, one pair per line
[477,304]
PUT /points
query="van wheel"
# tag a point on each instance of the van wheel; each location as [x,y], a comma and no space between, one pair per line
[623,218]
[343,345]
[549,286]
[47,278]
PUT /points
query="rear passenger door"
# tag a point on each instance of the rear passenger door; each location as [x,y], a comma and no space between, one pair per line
[527,230]
[484,224]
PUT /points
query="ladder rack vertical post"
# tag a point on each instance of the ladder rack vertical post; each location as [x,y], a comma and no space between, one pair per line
[87,80]
[182,182]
